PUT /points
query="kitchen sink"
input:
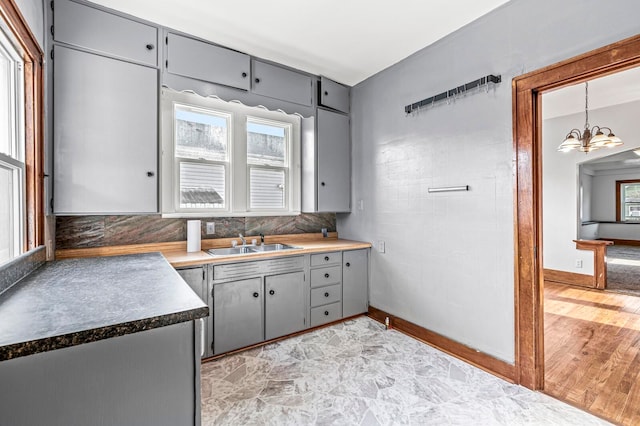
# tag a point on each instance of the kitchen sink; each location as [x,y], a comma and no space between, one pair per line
[274,247]
[233,251]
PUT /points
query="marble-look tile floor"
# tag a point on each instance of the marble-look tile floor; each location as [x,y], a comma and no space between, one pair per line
[358,373]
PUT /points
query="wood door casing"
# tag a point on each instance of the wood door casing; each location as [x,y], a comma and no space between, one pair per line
[527,126]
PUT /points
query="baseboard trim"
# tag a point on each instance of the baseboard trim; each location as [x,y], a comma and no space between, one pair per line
[486,362]
[571,278]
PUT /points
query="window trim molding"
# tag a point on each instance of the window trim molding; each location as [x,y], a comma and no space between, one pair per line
[33,122]
[619,184]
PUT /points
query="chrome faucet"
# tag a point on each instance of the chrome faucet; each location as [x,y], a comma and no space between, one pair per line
[244,242]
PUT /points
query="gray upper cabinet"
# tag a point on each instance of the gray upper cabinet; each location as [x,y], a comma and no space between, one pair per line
[203,61]
[103,32]
[284,304]
[334,95]
[355,271]
[280,83]
[104,135]
[333,162]
[237,314]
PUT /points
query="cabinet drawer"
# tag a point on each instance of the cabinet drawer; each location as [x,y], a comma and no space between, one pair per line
[334,95]
[280,83]
[203,61]
[326,276]
[260,267]
[324,314]
[105,32]
[326,258]
[325,295]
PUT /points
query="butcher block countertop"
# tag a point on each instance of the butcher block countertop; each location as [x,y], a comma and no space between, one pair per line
[176,253]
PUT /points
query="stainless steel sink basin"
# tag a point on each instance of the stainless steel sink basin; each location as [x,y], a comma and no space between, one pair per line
[274,247]
[234,251]
[231,251]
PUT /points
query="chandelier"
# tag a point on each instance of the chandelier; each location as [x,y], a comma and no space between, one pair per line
[589,139]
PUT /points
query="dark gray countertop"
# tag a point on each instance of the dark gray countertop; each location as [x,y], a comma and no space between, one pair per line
[70,302]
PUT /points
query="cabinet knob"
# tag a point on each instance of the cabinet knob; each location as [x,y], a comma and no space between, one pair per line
[244,75]
[326,275]
[326,93]
[256,294]
[326,258]
[257,80]
[150,174]
[322,183]
[348,264]
[150,46]
[326,313]
[272,292]
[326,294]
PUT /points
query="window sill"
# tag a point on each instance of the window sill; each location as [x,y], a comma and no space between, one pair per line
[226,214]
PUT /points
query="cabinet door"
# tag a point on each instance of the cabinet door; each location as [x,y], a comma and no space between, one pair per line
[104,135]
[355,296]
[196,279]
[204,61]
[237,314]
[334,95]
[104,32]
[280,83]
[334,162]
[284,304]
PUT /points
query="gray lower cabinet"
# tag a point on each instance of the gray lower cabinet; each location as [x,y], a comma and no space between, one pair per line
[238,316]
[104,135]
[355,278]
[204,61]
[196,277]
[284,304]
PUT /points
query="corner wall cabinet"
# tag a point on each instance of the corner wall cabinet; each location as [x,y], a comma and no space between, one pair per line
[326,163]
[334,95]
[104,134]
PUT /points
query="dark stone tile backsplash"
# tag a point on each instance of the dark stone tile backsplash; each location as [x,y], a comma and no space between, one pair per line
[100,231]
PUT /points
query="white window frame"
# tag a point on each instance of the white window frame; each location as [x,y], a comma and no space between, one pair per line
[237,191]
[13,160]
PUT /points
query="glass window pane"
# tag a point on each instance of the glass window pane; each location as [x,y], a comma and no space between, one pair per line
[266,188]
[202,186]
[7,239]
[631,193]
[6,84]
[266,144]
[201,135]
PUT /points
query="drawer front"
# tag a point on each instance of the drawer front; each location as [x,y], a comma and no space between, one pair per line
[105,32]
[324,314]
[322,259]
[326,295]
[260,267]
[326,276]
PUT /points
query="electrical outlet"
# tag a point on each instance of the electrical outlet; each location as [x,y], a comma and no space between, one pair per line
[578,263]
[211,228]
[360,204]
[381,246]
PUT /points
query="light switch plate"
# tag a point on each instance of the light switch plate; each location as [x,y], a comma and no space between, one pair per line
[381,246]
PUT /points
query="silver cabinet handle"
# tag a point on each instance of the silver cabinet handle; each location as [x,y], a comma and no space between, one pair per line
[202,337]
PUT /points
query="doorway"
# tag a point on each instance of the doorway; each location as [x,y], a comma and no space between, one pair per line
[527,103]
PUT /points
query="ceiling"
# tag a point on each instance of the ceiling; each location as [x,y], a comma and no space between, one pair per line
[614,89]
[345,40]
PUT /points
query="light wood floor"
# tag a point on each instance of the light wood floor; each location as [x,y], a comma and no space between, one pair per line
[592,351]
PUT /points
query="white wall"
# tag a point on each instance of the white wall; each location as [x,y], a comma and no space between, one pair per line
[449,257]
[603,200]
[560,184]
[33,12]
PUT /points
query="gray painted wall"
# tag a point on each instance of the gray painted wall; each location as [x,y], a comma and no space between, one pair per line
[448,264]
[33,12]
